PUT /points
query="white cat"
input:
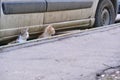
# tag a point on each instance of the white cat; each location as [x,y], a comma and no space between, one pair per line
[23,36]
[48,32]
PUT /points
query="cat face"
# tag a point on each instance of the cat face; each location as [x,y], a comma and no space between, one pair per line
[24,33]
[23,36]
[50,30]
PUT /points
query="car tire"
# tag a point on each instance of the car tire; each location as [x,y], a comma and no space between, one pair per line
[105,13]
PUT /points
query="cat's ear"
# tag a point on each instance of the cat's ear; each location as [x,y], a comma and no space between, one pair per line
[24,30]
[50,26]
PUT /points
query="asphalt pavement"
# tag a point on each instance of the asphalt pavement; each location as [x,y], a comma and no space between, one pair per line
[78,57]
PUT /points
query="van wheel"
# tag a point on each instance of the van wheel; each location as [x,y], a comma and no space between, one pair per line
[105,13]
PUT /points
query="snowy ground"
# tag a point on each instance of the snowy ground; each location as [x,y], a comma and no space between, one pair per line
[75,58]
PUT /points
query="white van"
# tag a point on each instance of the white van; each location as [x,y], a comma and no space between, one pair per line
[36,14]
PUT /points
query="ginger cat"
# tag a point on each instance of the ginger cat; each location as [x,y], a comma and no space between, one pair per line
[48,32]
[23,36]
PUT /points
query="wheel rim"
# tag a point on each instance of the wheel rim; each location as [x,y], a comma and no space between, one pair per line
[105,17]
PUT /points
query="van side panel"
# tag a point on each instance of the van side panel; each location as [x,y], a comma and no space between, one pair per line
[68,10]
[68,14]
[14,15]
[11,23]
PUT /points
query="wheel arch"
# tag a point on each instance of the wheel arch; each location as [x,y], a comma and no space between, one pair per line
[115,4]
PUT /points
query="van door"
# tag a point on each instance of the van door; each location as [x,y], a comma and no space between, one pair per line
[67,10]
[22,12]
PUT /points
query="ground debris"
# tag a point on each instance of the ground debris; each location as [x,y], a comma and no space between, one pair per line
[112,73]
